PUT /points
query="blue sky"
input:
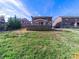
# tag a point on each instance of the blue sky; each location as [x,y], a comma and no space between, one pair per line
[28,8]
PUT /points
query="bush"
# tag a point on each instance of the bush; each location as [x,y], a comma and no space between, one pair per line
[13,23]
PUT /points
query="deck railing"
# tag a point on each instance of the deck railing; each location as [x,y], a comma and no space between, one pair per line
[39,27]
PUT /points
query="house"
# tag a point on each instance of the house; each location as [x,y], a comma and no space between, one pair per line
[42,20]
[40,23]
[2,23]
[2,20]
[66,22]
[25,22]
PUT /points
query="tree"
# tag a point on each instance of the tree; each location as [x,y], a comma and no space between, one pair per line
[13,23]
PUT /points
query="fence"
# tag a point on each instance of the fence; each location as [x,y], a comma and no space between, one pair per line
[39,27]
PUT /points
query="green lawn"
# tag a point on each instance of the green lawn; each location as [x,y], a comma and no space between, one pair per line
[39,45]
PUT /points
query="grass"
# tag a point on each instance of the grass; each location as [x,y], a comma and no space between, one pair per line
[38,45]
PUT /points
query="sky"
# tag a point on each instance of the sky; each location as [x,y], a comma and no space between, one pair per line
[28,8]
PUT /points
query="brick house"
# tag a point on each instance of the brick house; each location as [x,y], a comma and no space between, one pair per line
[66,22]
[2,23]
[40,23]
[2,20]
[42,20]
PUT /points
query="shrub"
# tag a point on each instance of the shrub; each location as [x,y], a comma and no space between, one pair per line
[13,23]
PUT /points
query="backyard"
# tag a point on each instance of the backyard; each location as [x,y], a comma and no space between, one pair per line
[39,45]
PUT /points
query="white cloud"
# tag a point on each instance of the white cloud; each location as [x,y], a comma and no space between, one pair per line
[13,7]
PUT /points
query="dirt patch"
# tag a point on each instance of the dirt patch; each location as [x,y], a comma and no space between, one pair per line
[76,56]
[20,31]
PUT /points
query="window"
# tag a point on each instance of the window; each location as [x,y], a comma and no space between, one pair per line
[78,24]
[41,23]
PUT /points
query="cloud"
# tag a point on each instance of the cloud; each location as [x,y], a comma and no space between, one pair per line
[13,7]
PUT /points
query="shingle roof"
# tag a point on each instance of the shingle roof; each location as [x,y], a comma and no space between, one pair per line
[42,17]
[69,16]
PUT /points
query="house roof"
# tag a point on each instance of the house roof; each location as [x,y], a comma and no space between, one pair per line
[69,16]
[41,17]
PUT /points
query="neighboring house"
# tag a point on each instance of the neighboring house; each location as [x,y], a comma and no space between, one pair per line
[2,23]
[2,20]
[25,22]
[66,22]
[41,23]
[42,20]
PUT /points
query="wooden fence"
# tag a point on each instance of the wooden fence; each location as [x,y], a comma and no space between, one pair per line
[39,27]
